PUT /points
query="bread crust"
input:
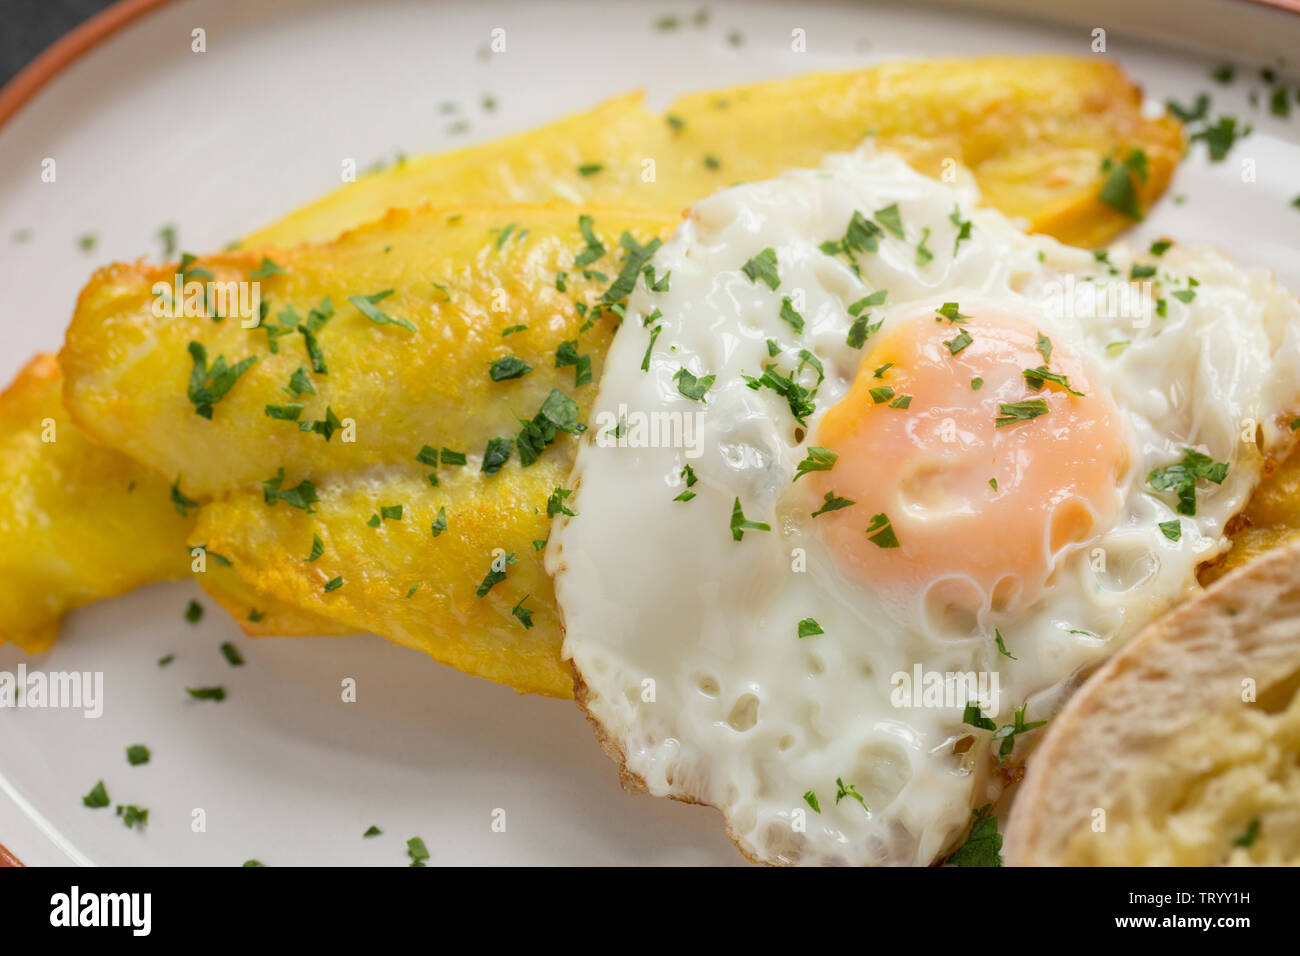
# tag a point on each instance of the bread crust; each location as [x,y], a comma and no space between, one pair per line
[1182,669]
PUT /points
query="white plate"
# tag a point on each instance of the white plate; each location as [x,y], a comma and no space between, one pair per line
[145,132]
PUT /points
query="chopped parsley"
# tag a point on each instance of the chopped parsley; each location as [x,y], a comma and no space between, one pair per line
[266,270]
[1007,733]
[303,495]
[740,524]
[958,342]
[819,459]
[798,397]
[417,851]
[860,236]
[881,532]
[508,367]
[790,316]
[1119,191]
[634,262]
[1035,377]
[866,302]
[495,576]
[688,475]
[325,427]
[1009,413]
[132,815]
[289,412]
[97,798]
[891,219]
[654,337]
[209,385]
[832,502]
[983,846]
[167,236]
[881,394]
[952,312]
[555,503]
[590,169]
[567,354]
[1249,836]
[862,327]
[963,227]
[207,693]
[558,413]
[860,330]
[808,627]
[762,267]
[366,305]
[810,798]
[690,386]
[523,614]
[232,655]
[923,254]
[317,548]
[300,383]
[848,790]
[902,401]
[137,754]
[194,612]
[372,831]
[440,523]
[1220,137]
[1002,645]
[1181,478]
[1173,530]
[181,503]
[316,319]
[496,454]
[594,248]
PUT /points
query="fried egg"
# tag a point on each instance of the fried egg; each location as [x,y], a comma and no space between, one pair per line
[873,476]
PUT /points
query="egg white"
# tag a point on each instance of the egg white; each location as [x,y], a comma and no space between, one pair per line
[685,639]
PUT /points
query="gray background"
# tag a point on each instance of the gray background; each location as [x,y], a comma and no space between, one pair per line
[32,25]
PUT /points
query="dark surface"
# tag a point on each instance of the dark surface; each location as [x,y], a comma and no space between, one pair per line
[28,26]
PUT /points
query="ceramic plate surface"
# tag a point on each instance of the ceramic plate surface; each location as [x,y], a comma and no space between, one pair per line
[146,133]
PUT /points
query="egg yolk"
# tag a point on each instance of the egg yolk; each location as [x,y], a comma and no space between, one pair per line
[982,478]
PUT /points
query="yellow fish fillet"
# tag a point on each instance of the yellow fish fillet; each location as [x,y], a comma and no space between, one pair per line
[80,522]
[415,535]
[1034,130]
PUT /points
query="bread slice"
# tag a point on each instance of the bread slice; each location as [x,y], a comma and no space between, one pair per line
[1184,748]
